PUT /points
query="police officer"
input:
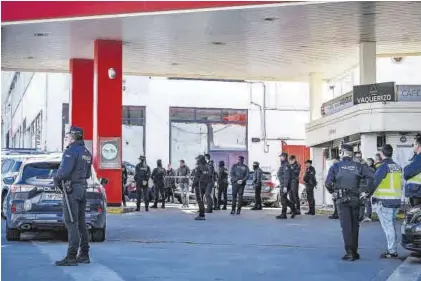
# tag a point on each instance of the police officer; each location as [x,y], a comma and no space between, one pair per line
[295,183]
[123,184]
[239,175]
[284,176]
[222,185]
[344,181]
[209,194]
[141,177]
[335,216]
[310,183]
[412,174]
[257,184]
[202,179]
[74,170]
[158,177]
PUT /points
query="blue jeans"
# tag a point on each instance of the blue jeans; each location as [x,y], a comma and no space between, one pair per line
[387,217]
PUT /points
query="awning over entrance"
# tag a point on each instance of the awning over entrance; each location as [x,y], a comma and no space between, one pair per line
[269,42]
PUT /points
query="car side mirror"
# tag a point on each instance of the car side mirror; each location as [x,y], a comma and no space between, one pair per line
[9,180]
[103,181]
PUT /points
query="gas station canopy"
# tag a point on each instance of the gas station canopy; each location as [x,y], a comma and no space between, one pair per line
[266,41]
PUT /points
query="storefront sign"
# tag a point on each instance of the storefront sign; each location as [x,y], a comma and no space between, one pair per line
[371,93]
[337,104]
[110,153]
[409,92]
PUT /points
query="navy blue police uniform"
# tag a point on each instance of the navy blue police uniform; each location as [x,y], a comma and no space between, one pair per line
[222,185]
[349,181]
[284,176]
[239,175]
[202,178]
[74,170]
[158,177]
[141,177]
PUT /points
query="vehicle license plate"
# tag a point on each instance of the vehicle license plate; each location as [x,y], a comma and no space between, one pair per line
[53,196]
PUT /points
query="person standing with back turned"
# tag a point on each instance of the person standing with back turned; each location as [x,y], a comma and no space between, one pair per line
[284,176]
[344,180]
[74,170]
[239,175]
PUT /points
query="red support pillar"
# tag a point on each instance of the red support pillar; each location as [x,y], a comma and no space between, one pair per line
[107,129]
[82,97]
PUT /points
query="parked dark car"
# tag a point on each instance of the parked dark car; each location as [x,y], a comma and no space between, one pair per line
[35,204]
[411,230]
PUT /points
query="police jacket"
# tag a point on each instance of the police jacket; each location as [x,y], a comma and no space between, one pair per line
[170,180]
[75,165]
[213,172]
[295,172]
[284,175]
[142,173]
[350,175]
[223,175]
[202,175]
[257,177]
[158,175]
[412,175]
[310,177]
[124,174]
[388,184]
[239,172]
[183,172]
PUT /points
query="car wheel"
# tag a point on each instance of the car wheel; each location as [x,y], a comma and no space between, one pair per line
[12,234]
[277,203]
[3,206]
[98,235]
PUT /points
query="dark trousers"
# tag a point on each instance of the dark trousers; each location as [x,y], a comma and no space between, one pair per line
[208,195]
[349,217]
[159,190]
[200,191]
[76,230]
[142,191]
[222,190]
[335,206]
[237,190]
[414,201]
[258,196]
[123,196]
[366,206]
[293,196]
[170,194]
[310,199]
[286,203]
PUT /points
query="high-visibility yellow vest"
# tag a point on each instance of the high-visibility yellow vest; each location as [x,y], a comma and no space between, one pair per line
[415,179]
[391,186]
[377,165]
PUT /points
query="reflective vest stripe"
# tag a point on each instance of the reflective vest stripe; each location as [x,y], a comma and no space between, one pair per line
[390,187]
[415,179]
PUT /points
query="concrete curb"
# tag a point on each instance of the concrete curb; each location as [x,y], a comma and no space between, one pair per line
[400,216]
[120,210]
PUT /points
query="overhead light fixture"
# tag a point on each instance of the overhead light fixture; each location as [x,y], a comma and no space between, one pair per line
[41,34]
[174,63]
[30,58]
[218,43]
[270,19]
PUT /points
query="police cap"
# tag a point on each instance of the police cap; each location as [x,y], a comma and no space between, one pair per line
[255,163]
[284,154]
[347,147]
[241,157]
[141,157]
[309,161]
[77,132]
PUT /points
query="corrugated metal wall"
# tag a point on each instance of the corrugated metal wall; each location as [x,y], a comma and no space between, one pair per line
[301,152]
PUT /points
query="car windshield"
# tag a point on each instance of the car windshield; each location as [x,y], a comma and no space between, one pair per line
[16,167]
[44,172]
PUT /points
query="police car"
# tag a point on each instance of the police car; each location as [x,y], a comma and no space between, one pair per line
[411,230]
[35,204]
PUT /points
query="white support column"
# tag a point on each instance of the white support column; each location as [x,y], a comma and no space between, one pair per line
[367,63]
[316,155]
[368,145]
[316,95]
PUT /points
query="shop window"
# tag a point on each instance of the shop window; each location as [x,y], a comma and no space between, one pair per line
[179,113]
[208,115]
[229,115]
[227,137]
[133,112]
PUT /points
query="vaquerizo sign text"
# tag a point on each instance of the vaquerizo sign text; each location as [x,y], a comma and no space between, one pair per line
[371,93]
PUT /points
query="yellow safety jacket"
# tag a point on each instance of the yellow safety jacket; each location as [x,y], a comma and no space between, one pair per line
[390,187]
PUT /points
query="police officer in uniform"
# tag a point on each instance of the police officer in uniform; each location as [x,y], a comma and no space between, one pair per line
[123,184]
[158,177]
[412,174]
[295,183]
[284,176]
[344,181]
[239,175]
[257,184]
[310,183]
[141,177]
[210,195]
[222,185]
[74,170]
[335,216]
[202,179]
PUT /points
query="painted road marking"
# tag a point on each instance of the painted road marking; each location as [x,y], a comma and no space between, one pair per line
[409,270]
[5,246]
[91,272]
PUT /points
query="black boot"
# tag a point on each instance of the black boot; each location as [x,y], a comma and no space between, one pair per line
[68,260]
[83,257]
[282,217]
[348,257]
[225,207]
[238,211]
[154,207]
[333,217]
[200,218]
[254,208]
[137,209]
[233,211]
[147,208]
